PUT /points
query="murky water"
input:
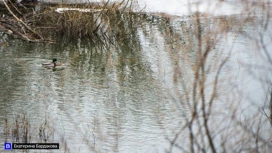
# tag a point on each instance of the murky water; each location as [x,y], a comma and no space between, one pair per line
[129,95]
[109,91]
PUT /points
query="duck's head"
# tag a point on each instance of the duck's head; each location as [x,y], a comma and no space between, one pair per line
[54,60]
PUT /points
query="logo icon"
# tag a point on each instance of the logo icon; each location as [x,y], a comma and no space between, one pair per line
[7,146]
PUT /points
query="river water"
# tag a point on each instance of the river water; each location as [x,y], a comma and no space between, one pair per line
[130,95]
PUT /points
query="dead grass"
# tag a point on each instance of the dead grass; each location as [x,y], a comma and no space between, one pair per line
[22,130]
[70,21]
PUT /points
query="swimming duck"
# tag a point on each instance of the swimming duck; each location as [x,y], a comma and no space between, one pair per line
[52,64]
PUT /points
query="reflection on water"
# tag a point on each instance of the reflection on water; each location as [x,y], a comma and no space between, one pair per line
[100,94]
[128,95]
[176,7]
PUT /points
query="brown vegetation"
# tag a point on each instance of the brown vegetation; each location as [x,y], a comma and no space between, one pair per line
[51,21]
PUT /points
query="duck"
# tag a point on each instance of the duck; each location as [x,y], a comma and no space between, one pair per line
[52,64]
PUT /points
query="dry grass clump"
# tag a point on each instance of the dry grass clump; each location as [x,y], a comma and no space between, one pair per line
[22,130]
[71,21]
[18,131]
[72,24]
